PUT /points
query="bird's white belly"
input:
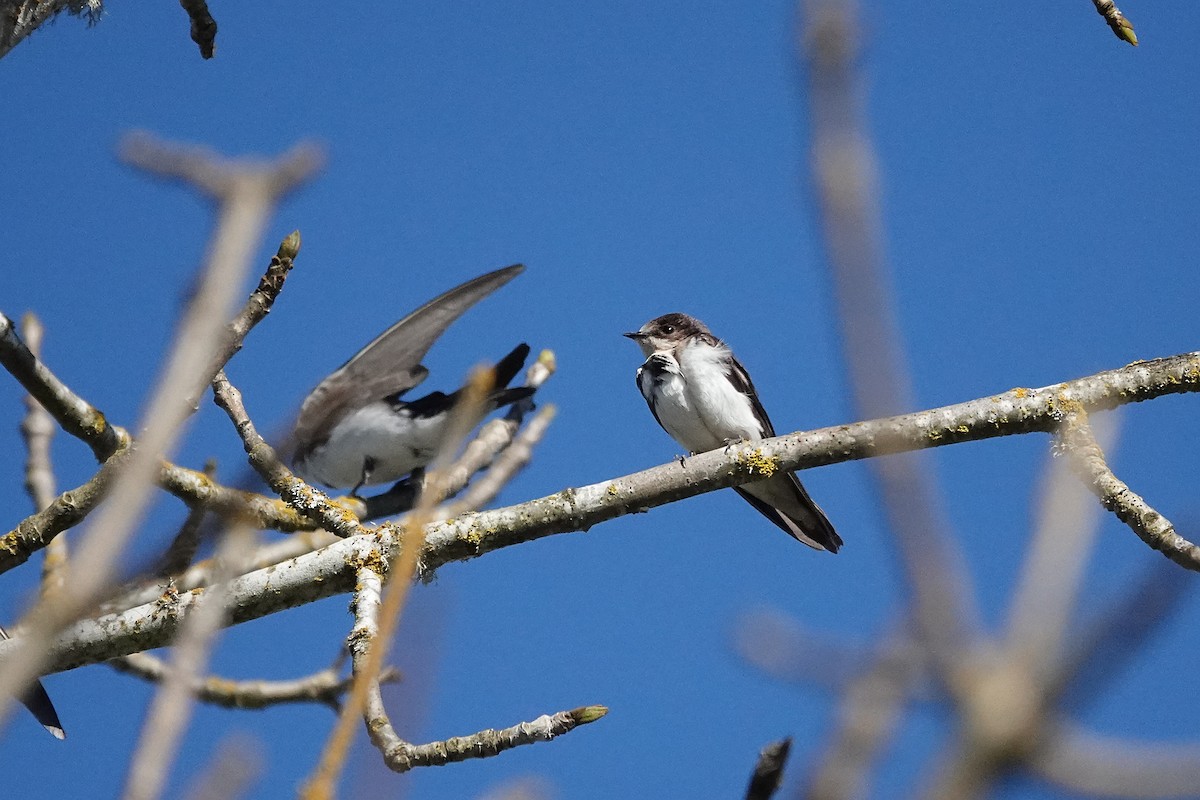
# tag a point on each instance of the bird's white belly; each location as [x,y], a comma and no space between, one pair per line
[395,442]
[725,412]
[704,411]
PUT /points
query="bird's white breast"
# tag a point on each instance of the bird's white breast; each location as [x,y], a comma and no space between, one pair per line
[698,405]
[396,442]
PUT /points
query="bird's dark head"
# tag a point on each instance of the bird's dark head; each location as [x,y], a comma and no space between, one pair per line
[667,332]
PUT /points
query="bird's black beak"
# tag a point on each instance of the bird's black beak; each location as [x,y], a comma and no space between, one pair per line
[635,335]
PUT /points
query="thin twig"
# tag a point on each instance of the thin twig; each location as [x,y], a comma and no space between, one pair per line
[511,461]
[1087,459]
[325,687]
[868,713]
[38,430]
[182,550]
[1043,603]
[401,756]
[1096,766]
[74,414]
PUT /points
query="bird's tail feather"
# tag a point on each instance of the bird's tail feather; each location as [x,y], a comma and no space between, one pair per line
[507,368]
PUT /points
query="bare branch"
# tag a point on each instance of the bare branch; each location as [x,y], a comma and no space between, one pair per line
[325,687]
[64,512]
[182,550]
[507,465]
[233,770]
[370,639]
[1102,767]
[38,430]
[844,169]
[783,648]
[401,756]
[868,713]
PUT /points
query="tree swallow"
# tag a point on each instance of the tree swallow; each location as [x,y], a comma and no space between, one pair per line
[355,430]
[38,702]
[703,397]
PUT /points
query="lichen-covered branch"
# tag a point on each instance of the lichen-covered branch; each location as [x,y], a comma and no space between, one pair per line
[171,709]
[81,419]
[74,414]
[306,500]
[64,512]
[1087,459]
[1118,22]
[401,756]
[246,195]
[19,18]
[367,654]
[331,570]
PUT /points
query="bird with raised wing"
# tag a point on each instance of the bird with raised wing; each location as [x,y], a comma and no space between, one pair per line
[356,429]
[703,397]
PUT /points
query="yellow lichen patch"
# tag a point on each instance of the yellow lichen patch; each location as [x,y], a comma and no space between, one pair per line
[758,464]
[1021,392]
[612,490]
[374,562]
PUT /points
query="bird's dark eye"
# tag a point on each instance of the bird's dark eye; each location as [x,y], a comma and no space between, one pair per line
[668,329]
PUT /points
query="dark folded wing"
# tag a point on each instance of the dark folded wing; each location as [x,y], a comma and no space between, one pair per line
[741,381]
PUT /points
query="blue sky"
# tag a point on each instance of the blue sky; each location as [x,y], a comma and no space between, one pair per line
[1041,190]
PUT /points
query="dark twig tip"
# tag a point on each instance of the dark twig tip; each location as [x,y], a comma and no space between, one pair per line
[768,771]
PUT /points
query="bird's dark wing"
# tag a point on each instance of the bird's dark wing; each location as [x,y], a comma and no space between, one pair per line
[38,702]
[391,363]
[741,381]
[783,499]
[804,519]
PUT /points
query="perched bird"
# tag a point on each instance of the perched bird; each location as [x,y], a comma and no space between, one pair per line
[354,428]
[38,702]
[703,397]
